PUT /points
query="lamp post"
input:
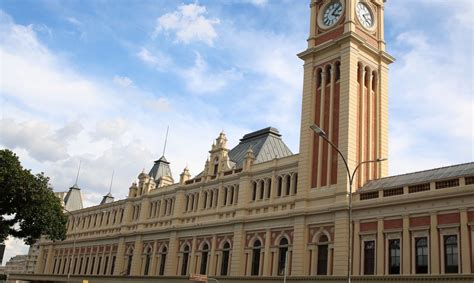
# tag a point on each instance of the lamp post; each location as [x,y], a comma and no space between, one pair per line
[320,132]
[74,228]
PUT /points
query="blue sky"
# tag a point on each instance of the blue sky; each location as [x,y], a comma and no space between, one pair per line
[99,81]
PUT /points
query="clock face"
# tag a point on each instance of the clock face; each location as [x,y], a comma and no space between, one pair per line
[364,15]
[332,13]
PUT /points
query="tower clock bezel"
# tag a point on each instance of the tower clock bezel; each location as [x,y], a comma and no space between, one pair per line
[372,12]
[322,10]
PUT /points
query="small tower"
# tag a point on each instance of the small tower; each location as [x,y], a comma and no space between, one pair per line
[161,173]
[183,177]
[218,160]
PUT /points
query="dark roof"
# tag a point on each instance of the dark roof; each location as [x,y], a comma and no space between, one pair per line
[160,169]
[73,199]
[108,198]
[266,145]
[454,171]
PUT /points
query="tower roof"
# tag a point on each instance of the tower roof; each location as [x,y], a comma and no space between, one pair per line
[73,199]
[266,145]
[160,169]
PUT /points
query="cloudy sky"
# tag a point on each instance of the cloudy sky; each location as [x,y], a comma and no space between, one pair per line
[100,81]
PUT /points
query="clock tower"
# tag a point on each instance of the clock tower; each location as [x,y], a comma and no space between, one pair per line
[345,94]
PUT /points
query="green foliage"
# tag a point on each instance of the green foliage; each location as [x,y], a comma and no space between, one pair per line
[28,206]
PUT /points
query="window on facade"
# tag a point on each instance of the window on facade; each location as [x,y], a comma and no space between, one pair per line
[421,255]
[80,266]
[92,265]
[322,263]
[105,265]
[225,259]
[87,265]
[338,71]
[369,257]
[98,265]
[205,200]
[394,256]
[204,254]
[262,189]
[55,265]
[269,187]
[216,166]
[256,258]
[112,266]
[147,261]
[295,183]
[163,261]
[282,251]
[129,264]
[225,196]
[288,184]
[64,266]
[254,191]
[184,265]
[451,254]
[279,187]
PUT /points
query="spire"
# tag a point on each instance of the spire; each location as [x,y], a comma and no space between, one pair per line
[77,175]
[108,197]
[166,140]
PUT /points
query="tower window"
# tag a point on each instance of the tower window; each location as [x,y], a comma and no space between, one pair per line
[319,77]
[254,191]
[280,185]
[338,71]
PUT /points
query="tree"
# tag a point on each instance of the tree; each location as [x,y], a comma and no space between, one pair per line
[28,206]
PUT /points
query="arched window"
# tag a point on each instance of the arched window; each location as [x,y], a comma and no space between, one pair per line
[211,201]
[225,259]
[184,265]
[282,256]
[232,191]
[280,186]
[254,191]
[205,200]
[204,255]
[262,188]
[129,261]
[338,71]
[216,166]
[394,256]
[269,187]
[295,183]
[374,81]
[322,268]
[192,202]
[421,255]
[288,184]
[319,77]
[451,254]
[328,74]
[187,203]
[147,261]
[225,196]
[164,250]
[257,245]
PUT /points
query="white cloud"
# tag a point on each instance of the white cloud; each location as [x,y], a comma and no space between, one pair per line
[199,79]
[160,104]
[189,24]
[259,3]
[123,81]
[156,60]
[74,21]
[35,137]
[111,130]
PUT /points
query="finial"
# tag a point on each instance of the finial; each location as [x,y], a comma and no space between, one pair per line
[78,170]
[111,181]
[166,140]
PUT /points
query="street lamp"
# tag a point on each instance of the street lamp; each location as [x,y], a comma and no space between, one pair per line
[320,132]
[74,228]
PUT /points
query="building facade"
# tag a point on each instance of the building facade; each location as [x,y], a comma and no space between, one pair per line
[260,210]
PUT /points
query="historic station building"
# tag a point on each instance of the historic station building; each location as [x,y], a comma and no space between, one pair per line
[258,209]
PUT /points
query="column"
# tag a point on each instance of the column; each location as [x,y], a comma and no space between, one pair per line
[406,250]
[332,73]
[300,240]
[171,259]
[238,257]
[370,139]
[49,261]
[267,262]
[380,248]
[360,179]
[137,257]
[153,260]
[119,260]
[465,249]
[212,262]
[341,249]
[192,254]
[356,249]
[434,245]
[321,125]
